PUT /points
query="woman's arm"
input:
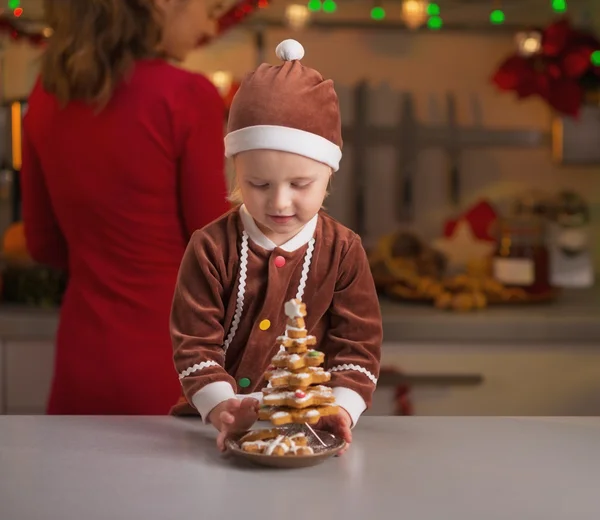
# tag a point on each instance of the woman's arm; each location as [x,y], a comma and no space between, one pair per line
[45,241]
[202,183]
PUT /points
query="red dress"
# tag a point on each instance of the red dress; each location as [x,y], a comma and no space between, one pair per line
[113,197]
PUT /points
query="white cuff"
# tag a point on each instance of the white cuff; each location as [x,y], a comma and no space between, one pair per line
[350,401]
[210,396]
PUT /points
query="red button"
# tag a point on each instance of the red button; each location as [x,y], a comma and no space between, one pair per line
[279,261]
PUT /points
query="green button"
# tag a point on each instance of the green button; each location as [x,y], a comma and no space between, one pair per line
[244,382]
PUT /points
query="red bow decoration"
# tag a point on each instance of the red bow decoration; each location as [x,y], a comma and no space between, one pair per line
[16,34]
[560,73]
[237,13]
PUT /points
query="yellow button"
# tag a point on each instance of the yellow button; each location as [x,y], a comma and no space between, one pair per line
[264,324]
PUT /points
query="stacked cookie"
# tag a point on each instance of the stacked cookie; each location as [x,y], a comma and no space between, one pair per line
[296,393]
[275,442]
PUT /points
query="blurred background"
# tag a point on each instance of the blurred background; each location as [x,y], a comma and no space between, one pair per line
[471,170]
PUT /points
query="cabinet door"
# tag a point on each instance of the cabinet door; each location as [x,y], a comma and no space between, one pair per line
[2,381]
[28,372]
[525,379]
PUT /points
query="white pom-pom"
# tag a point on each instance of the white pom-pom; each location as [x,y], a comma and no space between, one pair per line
[289,50]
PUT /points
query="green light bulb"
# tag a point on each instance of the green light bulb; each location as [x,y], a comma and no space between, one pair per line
[497,16]
[435,23]
[329,6]
[433,10]
[378,13]
[314,5]
[560,6]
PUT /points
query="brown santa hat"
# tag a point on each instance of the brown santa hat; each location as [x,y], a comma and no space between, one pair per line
[288,107]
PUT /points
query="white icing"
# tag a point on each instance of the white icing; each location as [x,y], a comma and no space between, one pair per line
[295,340]
[294,449]
[287,444]
[293,309]
[295,329]
[318,391]
[275,443]
[312,413]
[294,358]
[280,373]
[277,415]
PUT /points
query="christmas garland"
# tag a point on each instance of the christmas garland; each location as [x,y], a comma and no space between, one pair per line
[16,33]
[230,18]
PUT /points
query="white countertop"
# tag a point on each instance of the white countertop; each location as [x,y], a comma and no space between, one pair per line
[409,468]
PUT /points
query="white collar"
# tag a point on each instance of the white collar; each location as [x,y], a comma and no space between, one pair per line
[258,237]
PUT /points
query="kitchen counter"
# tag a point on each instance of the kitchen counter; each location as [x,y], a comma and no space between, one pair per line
[113,468]
[574,317]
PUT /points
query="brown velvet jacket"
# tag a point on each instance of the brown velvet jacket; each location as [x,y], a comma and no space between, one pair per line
[228,310]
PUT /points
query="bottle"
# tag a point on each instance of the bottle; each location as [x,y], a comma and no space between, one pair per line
[521,259]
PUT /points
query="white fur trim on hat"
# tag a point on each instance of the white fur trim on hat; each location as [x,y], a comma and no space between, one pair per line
[284,139]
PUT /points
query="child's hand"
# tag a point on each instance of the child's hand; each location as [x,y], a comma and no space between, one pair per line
[339,425]
[233,416]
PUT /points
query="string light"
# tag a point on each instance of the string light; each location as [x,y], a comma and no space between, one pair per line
[377,13]
[497,16]
[13,4]
[18,11]
[414,13]
[297,16]
[435,23]
[560,6]
[329,6]
[595,58]
[314,5]
[433,10]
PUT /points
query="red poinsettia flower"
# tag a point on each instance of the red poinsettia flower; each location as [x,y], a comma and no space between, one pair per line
[556,72]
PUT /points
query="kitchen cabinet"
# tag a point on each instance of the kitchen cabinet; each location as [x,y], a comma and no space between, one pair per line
[517,379]
[27,375]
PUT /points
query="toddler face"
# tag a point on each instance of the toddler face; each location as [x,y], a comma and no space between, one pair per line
[282,191]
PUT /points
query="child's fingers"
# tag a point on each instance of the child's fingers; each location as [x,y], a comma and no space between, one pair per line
[346,434]
[249,404]
[221,440]
[233,405]
[227,418]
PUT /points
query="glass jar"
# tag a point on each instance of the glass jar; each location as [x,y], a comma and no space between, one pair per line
[521,258]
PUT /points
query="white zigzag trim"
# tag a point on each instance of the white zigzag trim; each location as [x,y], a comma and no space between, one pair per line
[357,368]
[305,269]
[198,366]
[239,306]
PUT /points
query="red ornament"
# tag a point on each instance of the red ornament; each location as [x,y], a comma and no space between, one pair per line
[299,394]
[481,218]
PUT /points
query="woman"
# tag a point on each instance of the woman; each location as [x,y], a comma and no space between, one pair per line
[122,161]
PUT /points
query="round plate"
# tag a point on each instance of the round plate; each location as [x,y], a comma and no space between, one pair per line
[321,453]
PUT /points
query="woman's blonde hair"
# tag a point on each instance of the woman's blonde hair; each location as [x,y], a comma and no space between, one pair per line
[94,45]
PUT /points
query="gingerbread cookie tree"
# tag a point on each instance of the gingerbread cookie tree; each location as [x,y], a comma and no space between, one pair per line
[296,393]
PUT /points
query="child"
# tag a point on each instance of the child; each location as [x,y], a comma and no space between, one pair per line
[284,134]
